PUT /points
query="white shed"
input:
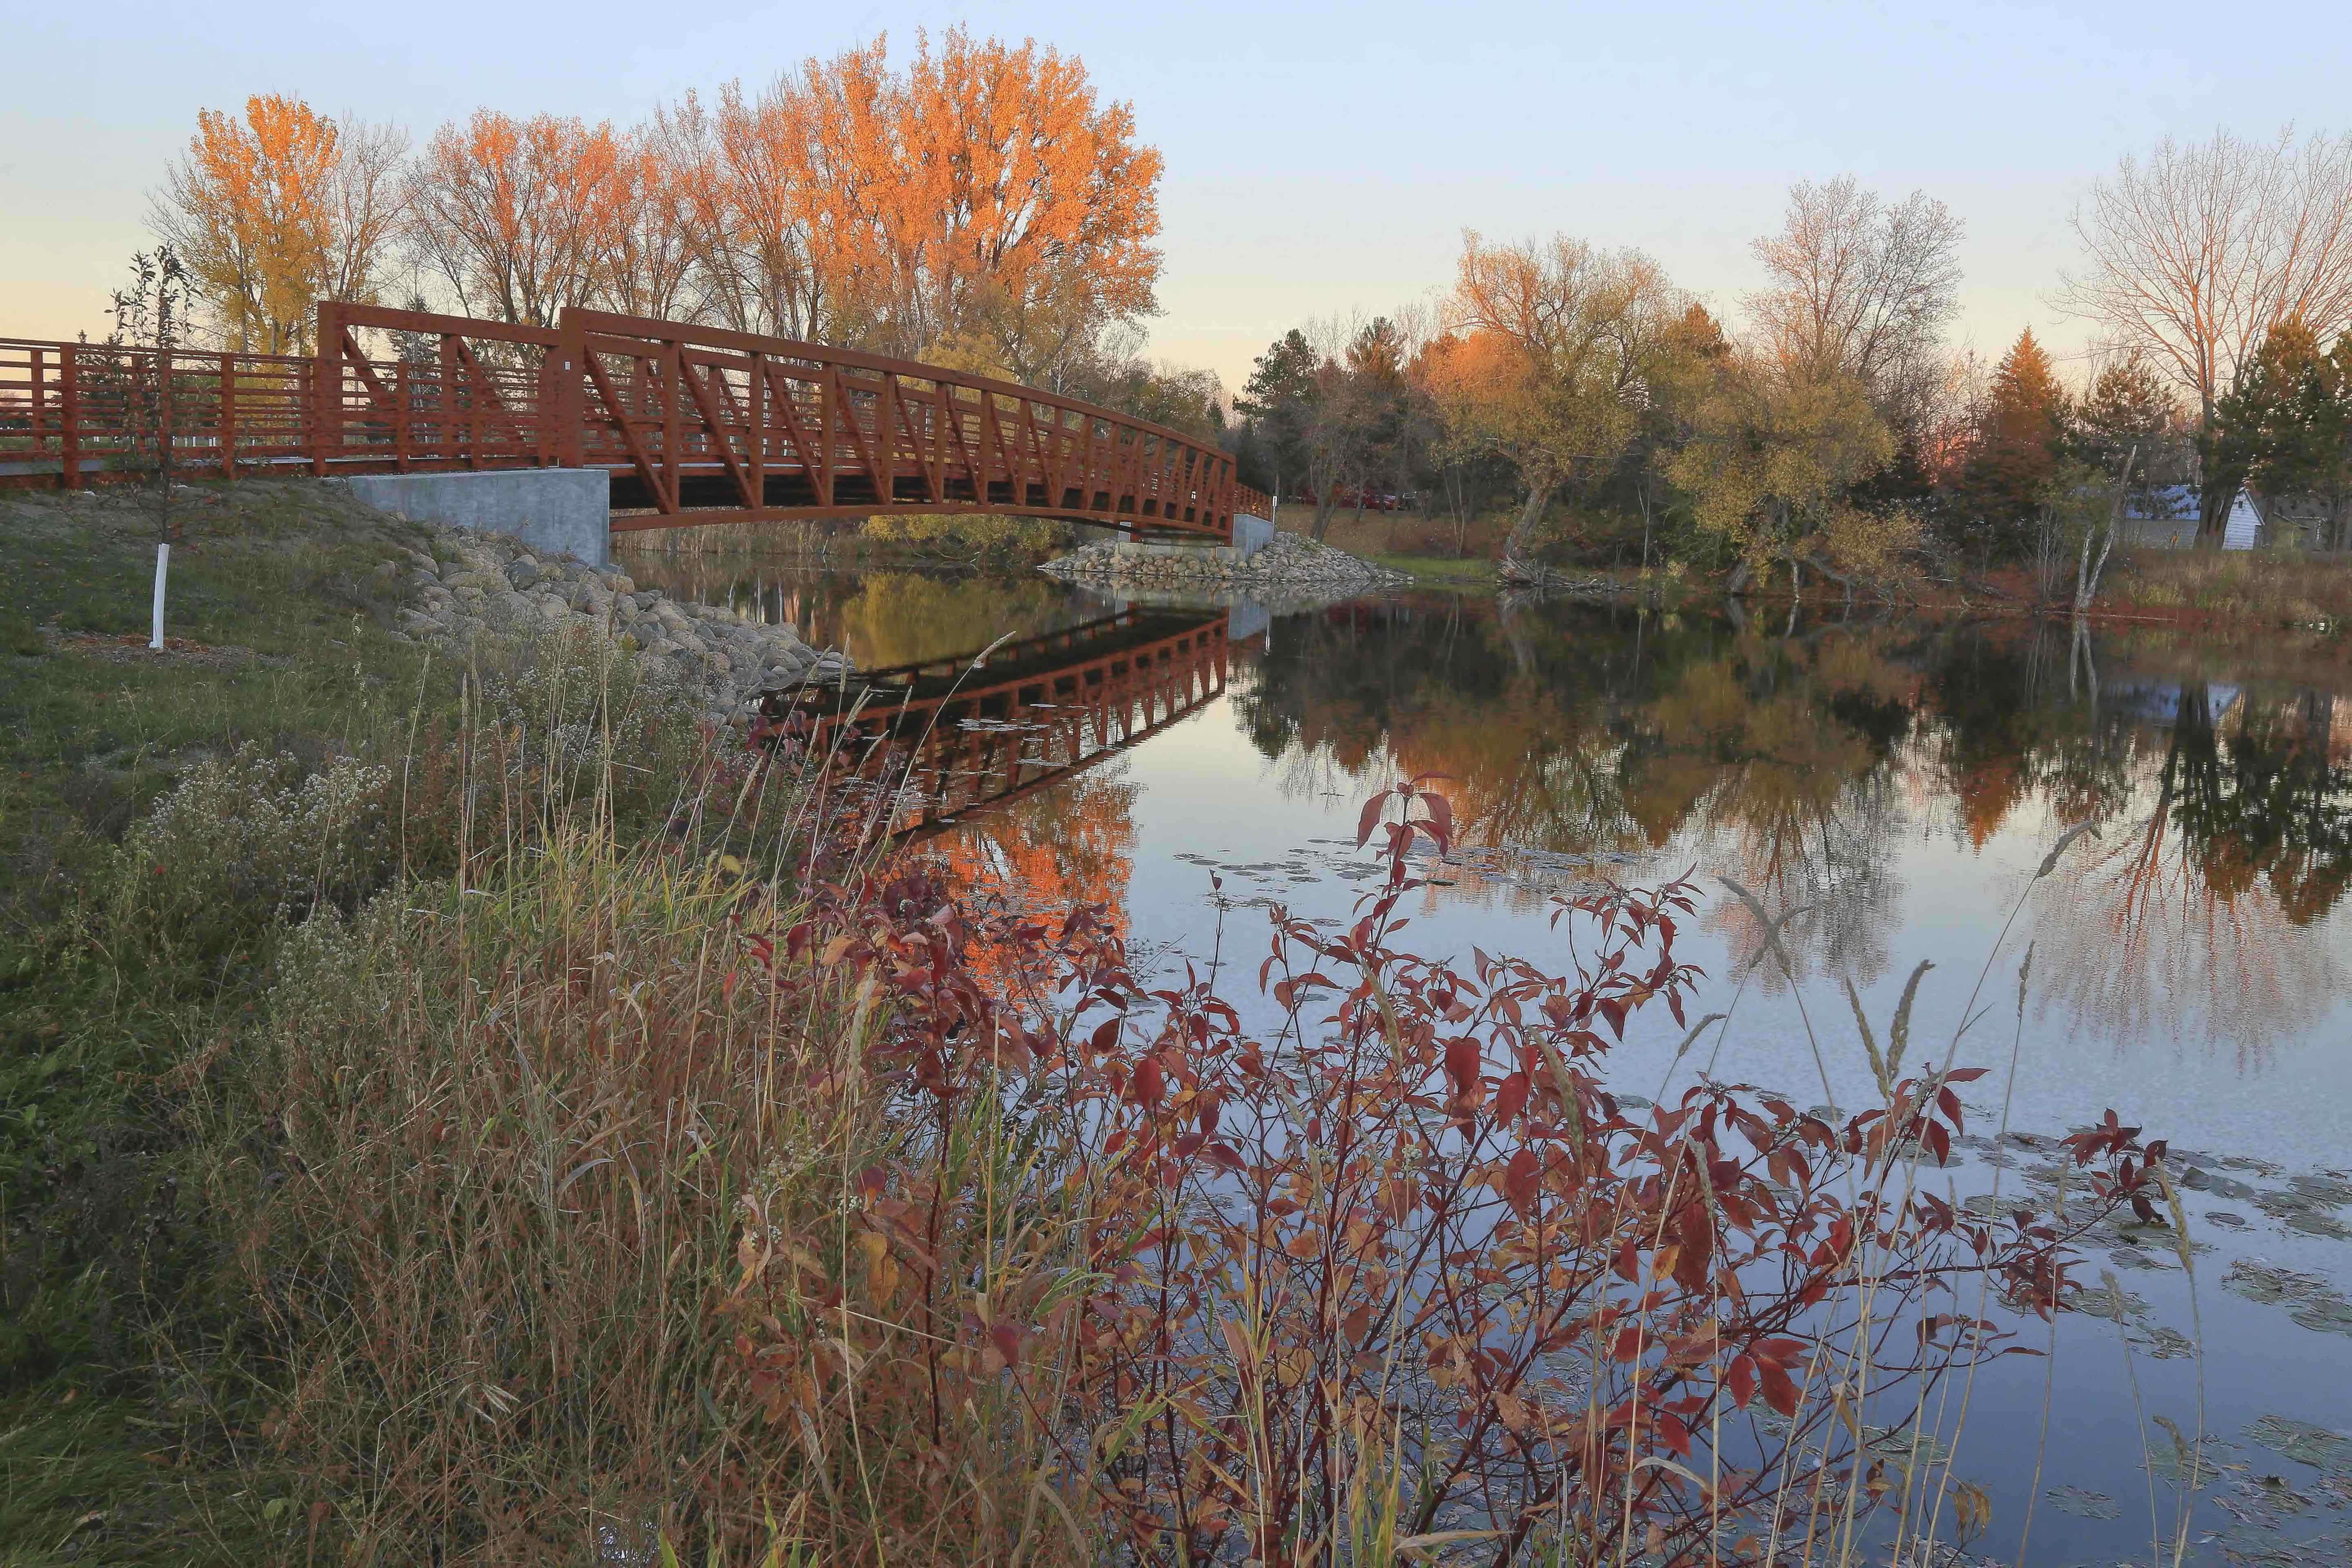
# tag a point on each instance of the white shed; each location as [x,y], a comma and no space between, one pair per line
[2168,519]
[2242,529]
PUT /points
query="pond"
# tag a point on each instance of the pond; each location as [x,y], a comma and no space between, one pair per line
[1891,786]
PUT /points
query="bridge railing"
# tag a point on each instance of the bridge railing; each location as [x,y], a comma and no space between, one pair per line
[72,412]
[458,393]
[696,424]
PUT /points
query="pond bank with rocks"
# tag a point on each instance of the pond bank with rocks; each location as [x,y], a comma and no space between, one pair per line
[470,583]
[1289,564]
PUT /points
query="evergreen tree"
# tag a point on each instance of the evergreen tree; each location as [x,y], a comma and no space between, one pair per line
[2129,431]
[1278,404]
[2019,443]
[2129,408]
[2287,428]
[1376,395]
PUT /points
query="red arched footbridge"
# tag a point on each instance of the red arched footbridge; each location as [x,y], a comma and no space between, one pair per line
[694,424]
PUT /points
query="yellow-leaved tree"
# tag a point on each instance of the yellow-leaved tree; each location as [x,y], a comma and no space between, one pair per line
[277,208]
[980,195]
[1776,449]
[1554,343]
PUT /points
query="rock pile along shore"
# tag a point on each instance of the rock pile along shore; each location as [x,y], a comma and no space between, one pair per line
[474,583]
[1289,563]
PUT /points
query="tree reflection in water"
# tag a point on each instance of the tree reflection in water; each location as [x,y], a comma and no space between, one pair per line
[1807,762]
[2230,834]
[1802,763]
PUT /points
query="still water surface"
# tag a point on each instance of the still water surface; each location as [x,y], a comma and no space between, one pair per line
[1900,784]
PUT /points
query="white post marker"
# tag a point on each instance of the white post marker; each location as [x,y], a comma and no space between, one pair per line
[162,566]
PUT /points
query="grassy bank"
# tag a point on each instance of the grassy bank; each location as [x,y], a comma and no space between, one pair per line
[2264,590]
[310,756]
[109,1454]
[1441,571]
[2221,588]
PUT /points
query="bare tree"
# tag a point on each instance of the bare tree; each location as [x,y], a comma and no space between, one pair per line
[369,197]
[150,318]
[1861,287]
[517,214]
[742,170]
[2194,254]
[649,247]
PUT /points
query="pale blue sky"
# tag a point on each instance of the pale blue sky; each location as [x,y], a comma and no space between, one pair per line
[1320,159]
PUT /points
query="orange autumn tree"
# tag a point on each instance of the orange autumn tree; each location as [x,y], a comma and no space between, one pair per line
[519,216]
[276,209]
[775,180]
[1030,212]
[981,198]
[649,250]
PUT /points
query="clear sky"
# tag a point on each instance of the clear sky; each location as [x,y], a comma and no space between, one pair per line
[1320,159]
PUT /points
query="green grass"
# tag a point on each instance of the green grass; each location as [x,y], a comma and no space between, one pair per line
[1452,571]
[103,1457]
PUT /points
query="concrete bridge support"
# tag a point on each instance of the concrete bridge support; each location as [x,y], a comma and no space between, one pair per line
[560,511]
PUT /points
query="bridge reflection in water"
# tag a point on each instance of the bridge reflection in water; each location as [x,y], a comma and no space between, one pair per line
[920,748]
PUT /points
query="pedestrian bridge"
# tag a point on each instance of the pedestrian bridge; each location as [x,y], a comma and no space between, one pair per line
[691,423]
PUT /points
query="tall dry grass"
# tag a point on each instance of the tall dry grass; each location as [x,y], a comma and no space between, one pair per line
[2273,586]
[516,1135]
[497,1159]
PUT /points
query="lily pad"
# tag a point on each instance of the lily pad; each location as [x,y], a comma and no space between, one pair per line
[1903,1444]
[2333,1191]
[2100,1302]
[2083,1503]
[2312,1222]
[2260,1281]
[2302,1442]
[2169,1459]
[2327,1314]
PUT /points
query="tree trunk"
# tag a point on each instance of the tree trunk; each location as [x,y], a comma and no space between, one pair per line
[1737,584]
[1324,507]
[1457,506]
[2087,571]
[1538,501]
[2213,514]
